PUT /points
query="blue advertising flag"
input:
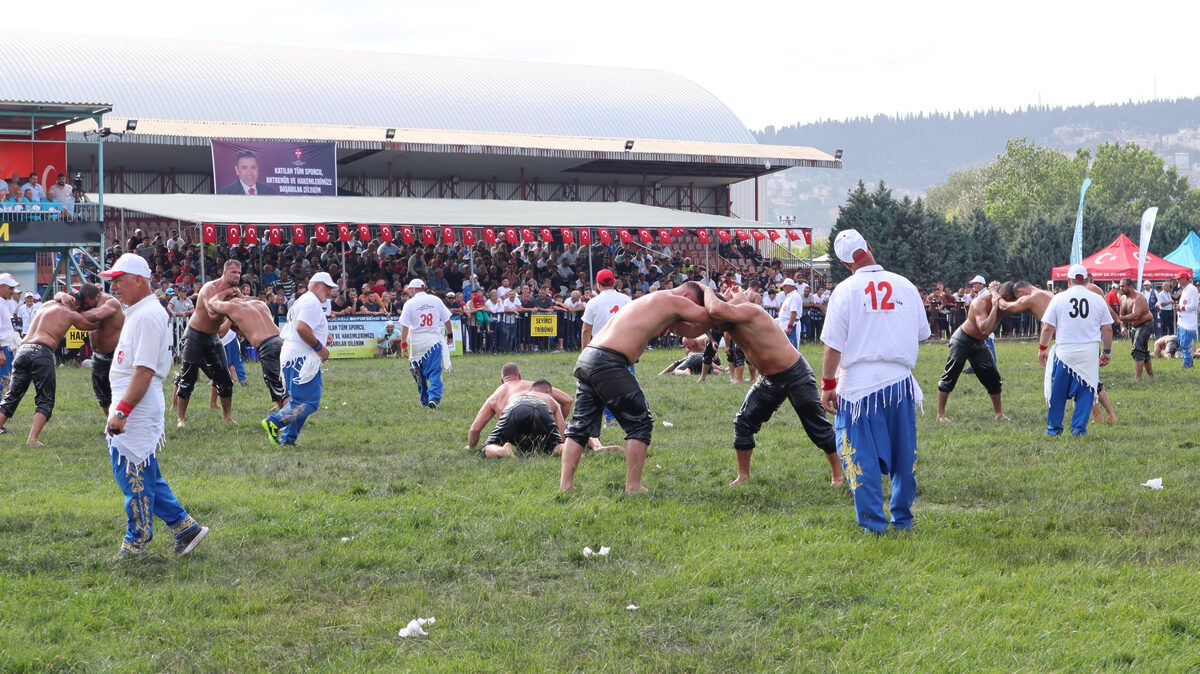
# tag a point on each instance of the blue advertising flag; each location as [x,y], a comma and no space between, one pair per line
[1077,241]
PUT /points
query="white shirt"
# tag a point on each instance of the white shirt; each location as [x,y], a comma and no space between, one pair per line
[230,336]
[424,313]
[876,319]
[1077,315]
[511,304]
[601,308]
[771,303]
[306,308]
[496,307]
[1165,301]
[503,291]
[793,302]
[6,327]
[145,341]
[1189,302]
[26,313]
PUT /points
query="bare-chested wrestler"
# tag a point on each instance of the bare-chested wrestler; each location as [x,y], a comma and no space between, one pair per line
[969,344]
[1017,297]
[604,379]
[735,357]
[1166,346]
[1136,316]
[693,359]
[512,384]
[35,362]
[785,375]
[109,318]
[203,350]
[252,320]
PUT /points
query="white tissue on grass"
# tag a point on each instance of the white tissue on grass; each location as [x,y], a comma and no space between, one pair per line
[413,628]
[668,424]
[588,552]
[347,539]
[344,402]
[1156,483]
[603,550]
[631,607]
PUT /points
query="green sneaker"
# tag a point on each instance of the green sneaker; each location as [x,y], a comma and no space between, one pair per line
[272,431]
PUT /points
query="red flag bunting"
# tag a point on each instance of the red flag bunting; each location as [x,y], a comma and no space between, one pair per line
[385,232]
[209,233]
[807,236]
[406,233]
[547,235]
[447,234]
[644,235]
[322,233]
[233,234]
[469,236]
[364,232]
[527,235]
[250,234]
[773,234]
[298,234]
[343,230]
[741,234]
[677,231]
[510,235]
[757,234]
[664,236]
[489,235]
[585,237]
[794,235]
[566,236]
[626,237]
[723,236]
[605,236]
[275,235]
[702,234]
[427,235]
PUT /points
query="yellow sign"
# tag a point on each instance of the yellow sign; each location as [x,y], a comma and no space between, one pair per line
[76,338]
[543,325]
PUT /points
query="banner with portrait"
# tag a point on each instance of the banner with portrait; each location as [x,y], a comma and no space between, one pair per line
[274,167]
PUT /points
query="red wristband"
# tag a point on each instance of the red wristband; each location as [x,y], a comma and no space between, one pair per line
[828,384]
[124,408]
[1042,347]
[403,345]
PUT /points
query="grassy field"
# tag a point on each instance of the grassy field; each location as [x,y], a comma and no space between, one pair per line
[1028,553]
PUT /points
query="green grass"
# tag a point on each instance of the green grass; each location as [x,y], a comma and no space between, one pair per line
[1028,553]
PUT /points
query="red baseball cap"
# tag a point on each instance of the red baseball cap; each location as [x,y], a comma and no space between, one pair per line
[605,277]
[1184,274]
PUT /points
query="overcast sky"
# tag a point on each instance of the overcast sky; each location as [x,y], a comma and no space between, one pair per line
[773,63]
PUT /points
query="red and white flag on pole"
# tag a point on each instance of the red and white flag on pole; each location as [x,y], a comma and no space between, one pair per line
[605,235]
[664,236]
[702,234]
[469,236]
[208,233]
[250,235]
[233,234]
[406,233]
[773,234]
[275,235]
[428,236]
[343,232]
[757,234]
[527,235]
[447,234]
[566,235]
[364,232]
[741,234]
[585,237]
[489,235]
[322,233]
[385,232]
[723,236]
[644,235]
[626,237]
[298,234]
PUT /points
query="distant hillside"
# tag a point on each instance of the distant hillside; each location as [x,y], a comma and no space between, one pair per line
[912,153]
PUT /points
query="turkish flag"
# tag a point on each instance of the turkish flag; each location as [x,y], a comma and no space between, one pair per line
[794,235]
[677,231]
[427,235]
[489,235]
[322,233]
[298,234]
[275,235]
[527,235]
[233,234]
[585,237]
[447,234]
[741,234]
[664,236]
[469,236]
[807,236]
[510,235]
[605,236]
[406,233]
[250,235]
[702,234]
[773,234]
[566,236]
[385,232]
[626,237]
[364,232]
[547,235]
[723,236]
[644,235]
[343,232]
[208,233]
[757,234]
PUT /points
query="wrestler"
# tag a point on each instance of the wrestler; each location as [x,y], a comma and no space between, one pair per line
[969,344]
[202,347]
[35,362]
[109,318]
[1135,315]
[784,374]
[604,379]
[252,320]
[531,423]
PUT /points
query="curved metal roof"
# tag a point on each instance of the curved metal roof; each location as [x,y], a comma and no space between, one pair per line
[208,81]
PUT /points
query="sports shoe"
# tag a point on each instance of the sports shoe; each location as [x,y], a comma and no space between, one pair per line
[4,431]
[188,542]
[272,431]
[433,404]
[125,554]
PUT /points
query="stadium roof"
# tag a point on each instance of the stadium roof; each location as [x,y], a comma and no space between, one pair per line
[286,210]
[168,79]
[22,118]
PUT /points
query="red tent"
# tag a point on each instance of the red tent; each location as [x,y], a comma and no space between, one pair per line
[1119,260]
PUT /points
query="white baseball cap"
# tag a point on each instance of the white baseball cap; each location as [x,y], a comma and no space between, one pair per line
[1077,271]
[129,263]
[847,243]
[8,280]
[980,280]
[416,283]
[323,278]
[787,282]
[28,295]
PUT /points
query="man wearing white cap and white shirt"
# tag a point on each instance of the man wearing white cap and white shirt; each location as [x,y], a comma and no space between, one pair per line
[8,286]
[26,310]
[305,346]
[791,310]
[424,331]
[1189,303]
[873,327]
[135,428]
[1079,322]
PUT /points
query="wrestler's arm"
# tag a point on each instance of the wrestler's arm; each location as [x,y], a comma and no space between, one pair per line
[1046,335]
[560,421]
[80,321]
[101,312]
[988,325]
[485,415]
[564,400]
